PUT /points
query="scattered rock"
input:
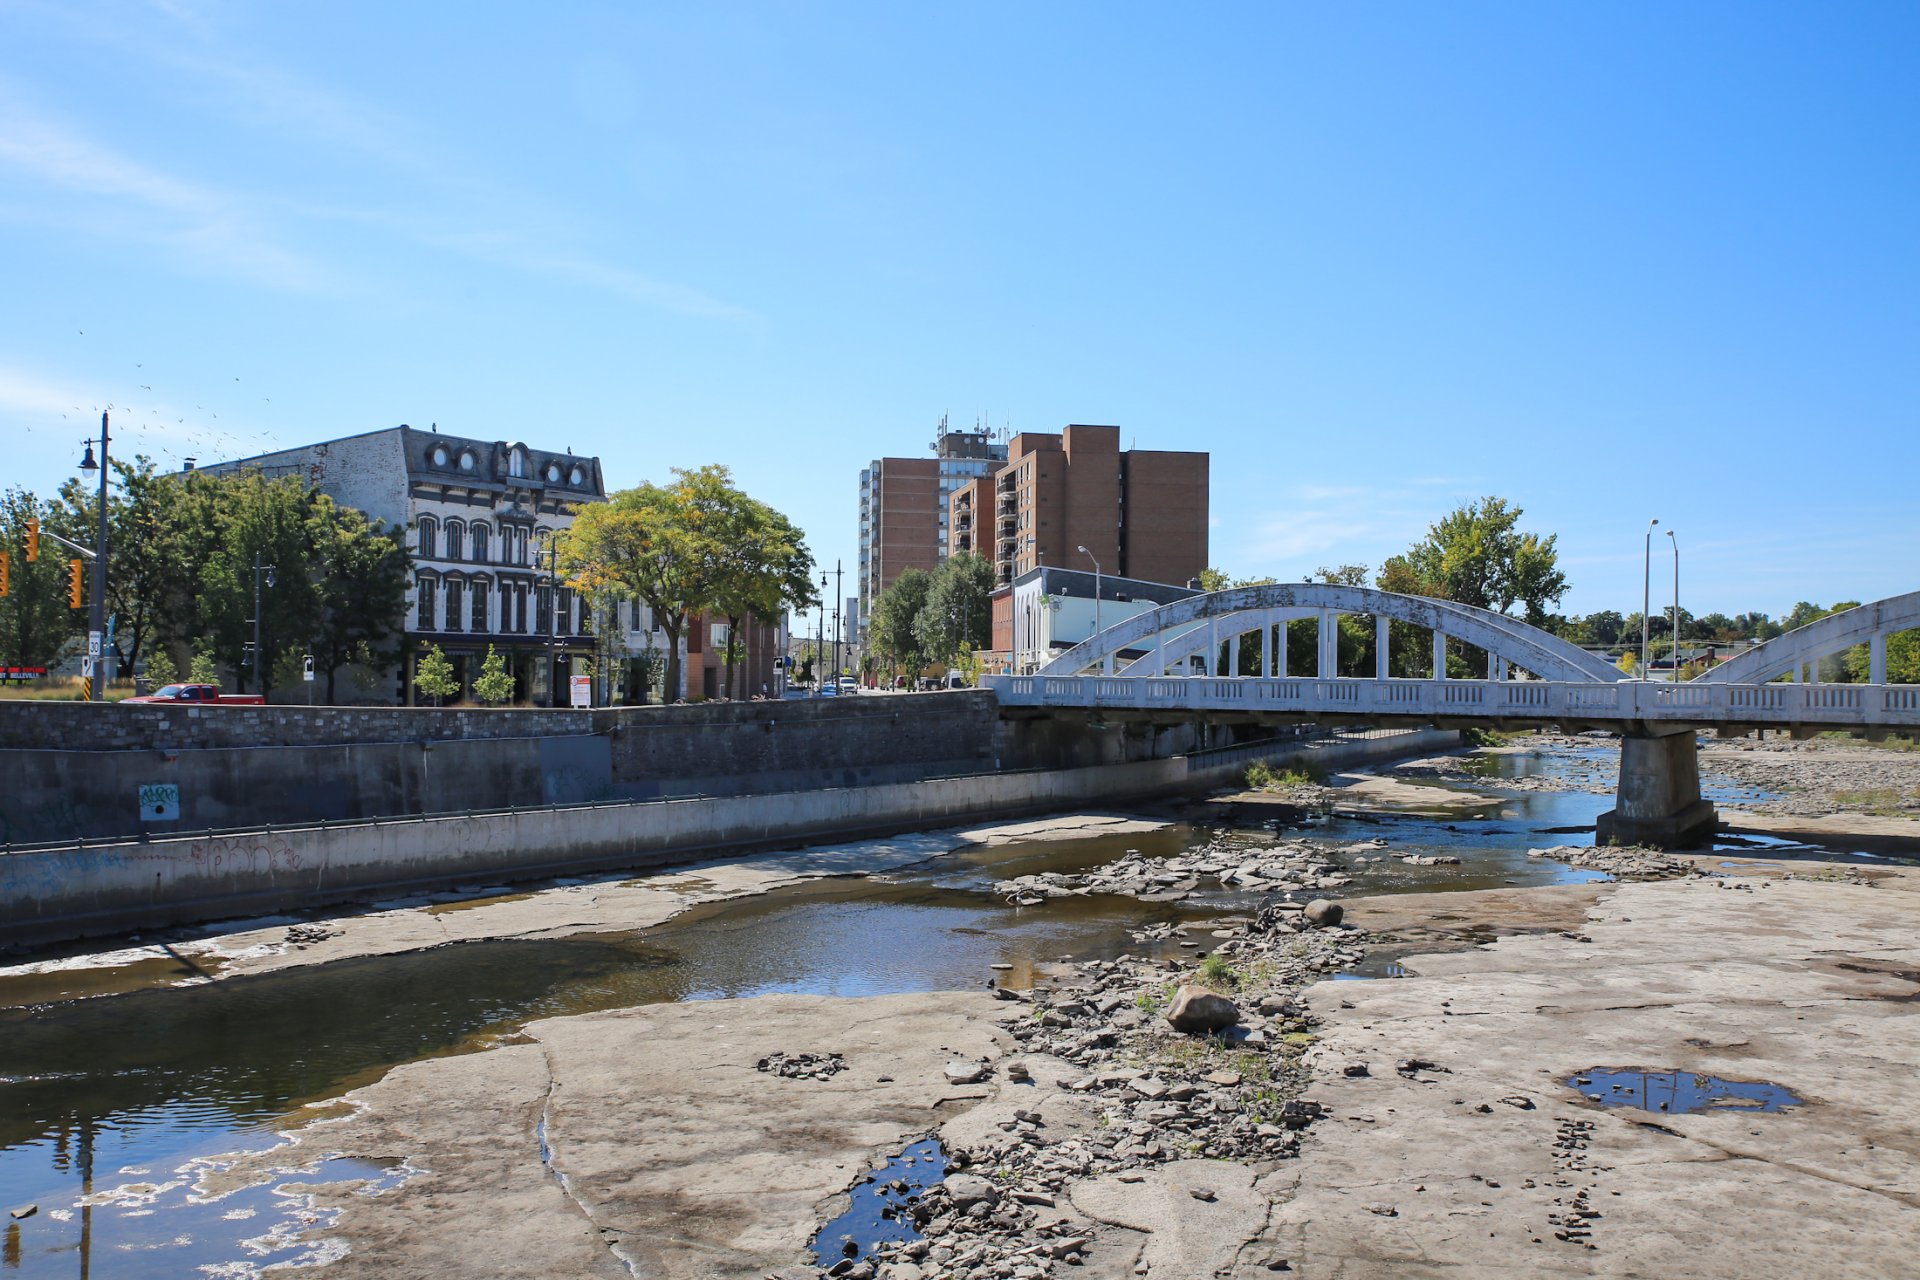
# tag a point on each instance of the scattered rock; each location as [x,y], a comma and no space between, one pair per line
[966,1072]
[25,1211]
[1196,1010]
[1324,913]
[803,1066]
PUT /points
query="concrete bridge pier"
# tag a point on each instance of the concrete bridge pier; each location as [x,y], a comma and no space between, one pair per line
[1658,800]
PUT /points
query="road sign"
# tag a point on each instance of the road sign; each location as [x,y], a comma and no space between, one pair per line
[160,802]
[582,690]
[307,671]
[93,644]
[86,667]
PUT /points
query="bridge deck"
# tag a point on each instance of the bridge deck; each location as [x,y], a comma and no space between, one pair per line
[1516,702]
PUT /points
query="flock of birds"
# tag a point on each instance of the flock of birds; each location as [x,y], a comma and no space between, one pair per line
[145,429]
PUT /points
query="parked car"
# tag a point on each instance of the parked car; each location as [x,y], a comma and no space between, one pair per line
[829,689]
[201,695]
[848,684]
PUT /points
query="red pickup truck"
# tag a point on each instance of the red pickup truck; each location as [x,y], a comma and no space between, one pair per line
[206,695]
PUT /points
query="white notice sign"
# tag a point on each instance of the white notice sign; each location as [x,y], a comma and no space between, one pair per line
[93,644]
[582,688]
[160,802]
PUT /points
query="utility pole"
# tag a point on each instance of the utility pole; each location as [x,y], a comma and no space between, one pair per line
[839,620]
[552,618]
[820,638]
[259,666]
[97,613]
[1676,606]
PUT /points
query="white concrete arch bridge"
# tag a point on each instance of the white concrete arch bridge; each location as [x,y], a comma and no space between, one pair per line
[1180,662]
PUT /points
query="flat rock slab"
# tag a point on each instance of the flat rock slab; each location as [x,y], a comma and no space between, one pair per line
[667,1153]
[1445,1171]
[1199,1214]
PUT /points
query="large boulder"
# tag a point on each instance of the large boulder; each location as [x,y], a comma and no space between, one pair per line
[1196,1010]
[967,1190]
[1324,913]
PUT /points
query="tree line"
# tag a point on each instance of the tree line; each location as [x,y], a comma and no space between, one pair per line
[940,616]
[181,577]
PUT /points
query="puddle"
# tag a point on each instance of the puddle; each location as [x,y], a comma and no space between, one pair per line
[1679,1092]
[881,1211]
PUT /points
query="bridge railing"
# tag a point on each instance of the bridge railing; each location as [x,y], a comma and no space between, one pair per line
[1535,701]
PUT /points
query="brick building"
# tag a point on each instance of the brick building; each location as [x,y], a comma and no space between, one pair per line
[904,513]
[1140,513]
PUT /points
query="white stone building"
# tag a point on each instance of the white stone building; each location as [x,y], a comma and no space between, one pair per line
[478,515]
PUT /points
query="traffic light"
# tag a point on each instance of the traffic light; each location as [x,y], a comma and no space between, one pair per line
[6,573]
[76,594]
[33,538]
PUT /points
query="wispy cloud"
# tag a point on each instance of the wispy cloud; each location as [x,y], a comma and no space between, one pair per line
[199,223]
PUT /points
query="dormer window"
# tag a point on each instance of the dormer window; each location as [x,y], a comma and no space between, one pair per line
[438,455]
[517,462]
[467,461]
[578,478]
[553,473]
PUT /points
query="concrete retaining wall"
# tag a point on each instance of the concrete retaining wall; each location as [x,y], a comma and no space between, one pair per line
[59,894]
[74,770]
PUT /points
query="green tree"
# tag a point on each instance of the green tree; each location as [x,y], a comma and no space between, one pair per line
[893,630]
[204,669]
[655,543]
[758,562]
[1476,555]
[957,614]
[433,676]
[36,626]
[494,686]
[160,670]
[360,571]
[142,565]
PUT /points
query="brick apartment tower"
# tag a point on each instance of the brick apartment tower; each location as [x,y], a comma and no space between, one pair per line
[1142,513]
[903,508]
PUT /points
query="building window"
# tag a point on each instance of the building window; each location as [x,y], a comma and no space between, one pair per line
[456,540]
[482,604]
[467,460]
[454,616]
[517,462]
[563,617]
[542,617]
[479,543]
[424,587]
[429,530]
[577,478]
[520,607]
[438,455]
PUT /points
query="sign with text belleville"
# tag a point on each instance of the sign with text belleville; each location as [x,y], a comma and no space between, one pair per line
[581,688]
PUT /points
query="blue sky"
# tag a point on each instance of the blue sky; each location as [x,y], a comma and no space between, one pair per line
[1609,262]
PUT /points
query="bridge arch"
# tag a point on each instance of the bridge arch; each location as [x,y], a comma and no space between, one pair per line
[1174,632]
[1868,624]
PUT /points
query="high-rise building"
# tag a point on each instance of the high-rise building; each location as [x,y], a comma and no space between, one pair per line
[903,507]
[1139,513]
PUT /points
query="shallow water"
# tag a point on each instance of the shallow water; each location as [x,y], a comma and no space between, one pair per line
[135,1087]
[1679,1092]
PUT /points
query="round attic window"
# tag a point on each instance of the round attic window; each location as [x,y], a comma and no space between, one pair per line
[553,473]
[439,455]
[578,478]
[467,460]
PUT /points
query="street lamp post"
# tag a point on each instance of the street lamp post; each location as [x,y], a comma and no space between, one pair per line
[1096,588]
[839,620]
[1676,606]
[552,611]
[97,613]
[820,638]
[1646,598]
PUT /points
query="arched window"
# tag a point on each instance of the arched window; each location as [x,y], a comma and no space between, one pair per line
[456,617]
[482,602]
[429,529]
[456,540]
[425,587]
[517,462]
[479,542]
